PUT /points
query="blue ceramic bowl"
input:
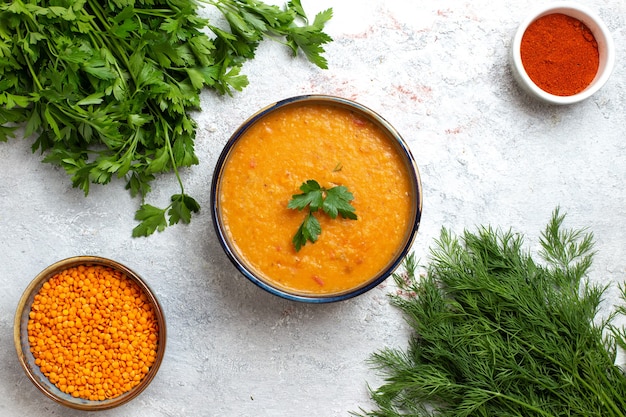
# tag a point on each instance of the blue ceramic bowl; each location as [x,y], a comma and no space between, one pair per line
[240,262]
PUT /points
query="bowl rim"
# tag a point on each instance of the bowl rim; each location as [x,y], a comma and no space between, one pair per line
[391,133]
[600,32]
[26,358]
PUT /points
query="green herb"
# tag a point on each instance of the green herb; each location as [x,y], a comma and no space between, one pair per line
[499,334]
[333,201]
[106,87]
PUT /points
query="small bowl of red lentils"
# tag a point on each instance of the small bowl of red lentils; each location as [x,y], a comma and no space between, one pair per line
[562,53]
[89,333]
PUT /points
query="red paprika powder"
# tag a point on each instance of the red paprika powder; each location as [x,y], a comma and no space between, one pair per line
[560,54]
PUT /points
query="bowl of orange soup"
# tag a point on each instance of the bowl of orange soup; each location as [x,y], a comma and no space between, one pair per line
[325,152]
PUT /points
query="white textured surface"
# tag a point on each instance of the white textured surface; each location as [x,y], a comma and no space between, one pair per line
[435,69]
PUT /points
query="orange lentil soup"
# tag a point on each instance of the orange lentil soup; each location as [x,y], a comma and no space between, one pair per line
[333,146]
[92,332]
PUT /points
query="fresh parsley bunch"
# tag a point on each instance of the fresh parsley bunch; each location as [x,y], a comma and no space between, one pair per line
[106,87]
[497,333]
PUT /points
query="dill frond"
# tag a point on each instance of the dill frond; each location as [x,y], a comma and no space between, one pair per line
[497,333]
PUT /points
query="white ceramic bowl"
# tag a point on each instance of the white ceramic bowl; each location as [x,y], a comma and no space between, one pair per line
[606,50]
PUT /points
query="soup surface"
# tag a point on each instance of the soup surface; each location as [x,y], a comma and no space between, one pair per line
[334,146]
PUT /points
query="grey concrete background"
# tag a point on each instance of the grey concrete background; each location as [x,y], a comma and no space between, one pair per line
[487,154]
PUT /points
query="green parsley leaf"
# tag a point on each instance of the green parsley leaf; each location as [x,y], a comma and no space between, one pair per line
[152,218]
[310,39]
[181,208]
[338,201]
[312,196]
[333,201]
[310,230]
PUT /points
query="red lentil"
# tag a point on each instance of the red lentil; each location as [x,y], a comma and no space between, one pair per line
[93,332]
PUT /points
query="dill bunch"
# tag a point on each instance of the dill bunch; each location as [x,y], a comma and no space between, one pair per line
[498,334]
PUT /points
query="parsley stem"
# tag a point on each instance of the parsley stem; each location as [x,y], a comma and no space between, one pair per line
[171,153]
[34,76]
[154,12]
[111,44]
[97,11]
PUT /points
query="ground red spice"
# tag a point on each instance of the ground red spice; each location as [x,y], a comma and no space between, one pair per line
[560,54]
